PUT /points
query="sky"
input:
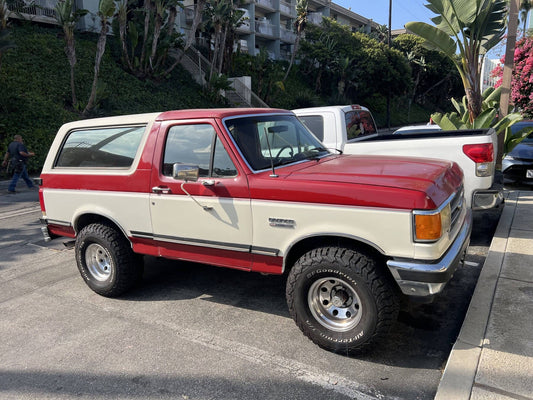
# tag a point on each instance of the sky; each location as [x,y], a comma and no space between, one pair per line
[403,11]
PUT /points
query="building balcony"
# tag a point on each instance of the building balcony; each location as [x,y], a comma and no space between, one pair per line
[287,35]
[265,28]
[285,55]
[244,21]
[265,4]
[315,18]
[320,3]
[38,10]
[287,9]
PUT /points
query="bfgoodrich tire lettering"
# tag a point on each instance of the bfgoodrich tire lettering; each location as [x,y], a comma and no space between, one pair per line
[339,300]
[105,260]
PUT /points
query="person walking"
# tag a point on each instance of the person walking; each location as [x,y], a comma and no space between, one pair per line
[19,154]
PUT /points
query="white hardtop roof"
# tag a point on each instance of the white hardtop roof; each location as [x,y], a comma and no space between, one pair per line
[117,120]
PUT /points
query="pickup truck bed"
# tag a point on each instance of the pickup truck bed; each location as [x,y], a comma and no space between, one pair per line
[473,150]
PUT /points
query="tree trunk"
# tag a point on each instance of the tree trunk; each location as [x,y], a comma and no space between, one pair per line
[222,49]
[293,55]
[474,100]
[198,12]
[100,49]
[70,50]
[147,12]
[215,51]
[122,18]
[155,40]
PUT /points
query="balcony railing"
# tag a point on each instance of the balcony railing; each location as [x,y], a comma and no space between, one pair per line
[264,28]
[39,10]
[315,18]
[265,4]
[287,36]
[287,9]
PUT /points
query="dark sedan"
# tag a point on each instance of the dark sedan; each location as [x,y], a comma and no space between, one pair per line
[517,166]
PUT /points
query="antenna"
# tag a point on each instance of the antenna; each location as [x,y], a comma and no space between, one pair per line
[273,174]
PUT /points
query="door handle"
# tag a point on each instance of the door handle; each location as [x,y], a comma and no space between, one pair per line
[161,190]
[209,182]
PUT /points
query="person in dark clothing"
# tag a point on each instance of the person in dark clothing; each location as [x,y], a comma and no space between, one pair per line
[19,154]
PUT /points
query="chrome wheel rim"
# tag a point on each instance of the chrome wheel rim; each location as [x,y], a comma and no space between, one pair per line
[98,261]
[335,304]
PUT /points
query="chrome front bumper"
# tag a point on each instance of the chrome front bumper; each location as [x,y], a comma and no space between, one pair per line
[424,279]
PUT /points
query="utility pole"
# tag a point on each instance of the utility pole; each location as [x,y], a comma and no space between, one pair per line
[389,42]
[508,70]
[389,39]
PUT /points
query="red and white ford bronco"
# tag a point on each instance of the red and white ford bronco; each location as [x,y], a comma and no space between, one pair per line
[253,189]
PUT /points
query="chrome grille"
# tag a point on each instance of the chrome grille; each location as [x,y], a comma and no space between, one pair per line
[457,205]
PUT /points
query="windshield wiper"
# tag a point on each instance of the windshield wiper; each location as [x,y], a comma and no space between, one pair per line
[312,154]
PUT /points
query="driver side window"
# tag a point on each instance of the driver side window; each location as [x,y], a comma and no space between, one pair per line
[197,145]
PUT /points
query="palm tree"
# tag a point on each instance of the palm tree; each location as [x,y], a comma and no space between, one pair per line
[106,10]
[220,17]
[122,17]
[3,14]
[302,11]
[67,19]
[197,19]
[525,7]
[470,28]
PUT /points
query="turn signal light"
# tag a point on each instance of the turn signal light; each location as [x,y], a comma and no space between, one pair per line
[428,227]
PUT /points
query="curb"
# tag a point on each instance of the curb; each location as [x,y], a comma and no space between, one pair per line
[460,372]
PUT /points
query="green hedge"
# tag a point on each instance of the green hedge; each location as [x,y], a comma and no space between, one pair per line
[35,96]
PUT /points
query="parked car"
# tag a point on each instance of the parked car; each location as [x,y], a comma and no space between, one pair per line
[517,166]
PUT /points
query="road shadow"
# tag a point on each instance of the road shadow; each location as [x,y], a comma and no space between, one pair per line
[422,337]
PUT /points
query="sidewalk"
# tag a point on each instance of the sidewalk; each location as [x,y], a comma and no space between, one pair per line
[493,355]
[21,185]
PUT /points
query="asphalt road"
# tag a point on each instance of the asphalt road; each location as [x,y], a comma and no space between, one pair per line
[196,332]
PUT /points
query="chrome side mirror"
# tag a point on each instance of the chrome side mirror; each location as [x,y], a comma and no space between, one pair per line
[185,172]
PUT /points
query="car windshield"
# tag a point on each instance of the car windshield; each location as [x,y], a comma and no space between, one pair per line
[274,140]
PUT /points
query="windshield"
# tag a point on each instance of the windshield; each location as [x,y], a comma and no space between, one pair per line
[273,140]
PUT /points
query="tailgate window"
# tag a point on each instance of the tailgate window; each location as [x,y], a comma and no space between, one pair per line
[359,123]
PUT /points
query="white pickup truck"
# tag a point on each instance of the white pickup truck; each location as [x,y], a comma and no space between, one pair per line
[351,130]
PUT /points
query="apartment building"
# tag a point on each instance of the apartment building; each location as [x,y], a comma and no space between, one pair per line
[266,24]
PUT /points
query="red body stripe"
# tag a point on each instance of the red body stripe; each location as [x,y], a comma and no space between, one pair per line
[222,258]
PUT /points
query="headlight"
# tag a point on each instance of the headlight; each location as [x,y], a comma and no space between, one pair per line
[429,226]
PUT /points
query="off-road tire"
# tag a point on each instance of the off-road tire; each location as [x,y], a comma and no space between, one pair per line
[106,261]
[340,300]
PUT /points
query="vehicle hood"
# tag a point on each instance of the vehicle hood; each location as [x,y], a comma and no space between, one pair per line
[377,181]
